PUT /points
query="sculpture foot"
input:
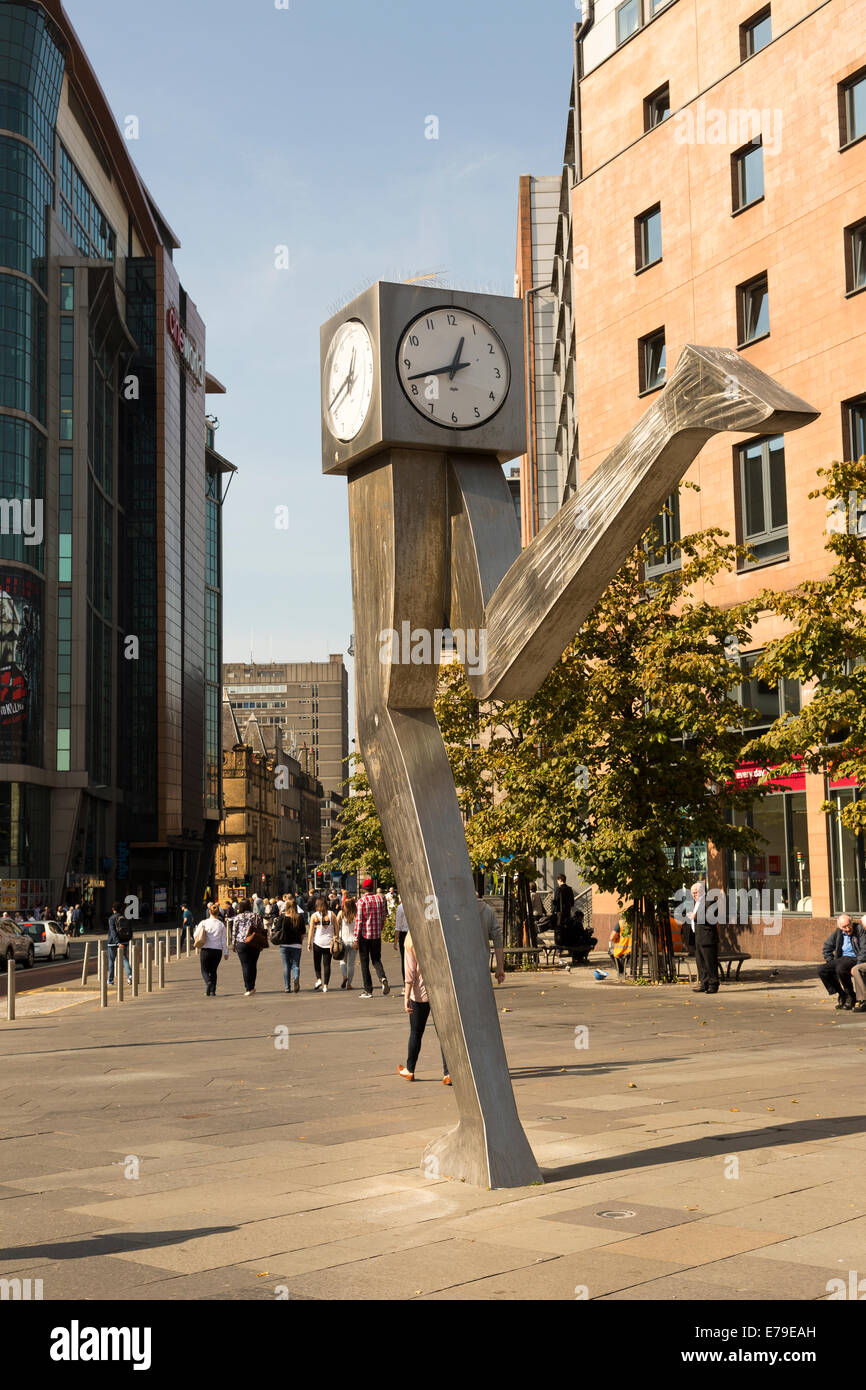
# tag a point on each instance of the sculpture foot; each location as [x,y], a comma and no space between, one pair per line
[465,1155]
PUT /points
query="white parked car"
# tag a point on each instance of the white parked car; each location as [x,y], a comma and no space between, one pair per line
[48,940]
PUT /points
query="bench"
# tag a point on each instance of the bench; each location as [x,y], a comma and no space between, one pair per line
[727,958]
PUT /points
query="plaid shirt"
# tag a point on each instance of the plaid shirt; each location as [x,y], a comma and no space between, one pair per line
[371,917]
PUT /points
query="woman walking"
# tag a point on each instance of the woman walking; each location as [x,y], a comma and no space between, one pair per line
[294,930]
[210,942]
[323,926]
[401,928]
[246,925]
[418,1009]
[346,923]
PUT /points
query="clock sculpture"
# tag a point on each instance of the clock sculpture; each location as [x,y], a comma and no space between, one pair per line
[422,401]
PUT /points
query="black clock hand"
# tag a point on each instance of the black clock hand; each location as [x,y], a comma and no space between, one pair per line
[440,371]
[456,364]
[350,377]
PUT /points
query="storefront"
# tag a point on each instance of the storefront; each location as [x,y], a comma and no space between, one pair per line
[847,857]
[781,865]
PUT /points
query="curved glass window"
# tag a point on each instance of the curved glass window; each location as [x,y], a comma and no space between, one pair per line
[22,480]
[22,347]
[31,76]
[25,191]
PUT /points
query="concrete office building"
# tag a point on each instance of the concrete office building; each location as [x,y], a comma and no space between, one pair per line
[537,227]
[714,191]
[308,701]
[111,615]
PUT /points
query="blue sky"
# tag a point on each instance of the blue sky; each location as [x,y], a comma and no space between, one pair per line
[305,127]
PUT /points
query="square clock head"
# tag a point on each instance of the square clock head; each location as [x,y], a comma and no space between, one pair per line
[404,366]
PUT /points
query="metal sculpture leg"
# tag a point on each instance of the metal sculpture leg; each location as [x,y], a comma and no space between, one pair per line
[398,527]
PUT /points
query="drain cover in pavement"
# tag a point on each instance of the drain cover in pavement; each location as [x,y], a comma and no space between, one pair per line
[617,1215]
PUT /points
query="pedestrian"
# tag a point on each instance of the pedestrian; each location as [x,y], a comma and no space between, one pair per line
[369,922]
[619,945]
[418,1008]
[401,928]
[119,935]
[844,949]
[563,904]
[323,927]
[186,921]
[211,943]
[294,927]
[248,940]
[346,923]
[391,899]
[77,923]
[706,937]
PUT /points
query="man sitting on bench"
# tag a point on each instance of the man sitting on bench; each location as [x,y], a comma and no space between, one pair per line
[844,948]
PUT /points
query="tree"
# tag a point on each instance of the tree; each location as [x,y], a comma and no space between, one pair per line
[826,645]
[359,843]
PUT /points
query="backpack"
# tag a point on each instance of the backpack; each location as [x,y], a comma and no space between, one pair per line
[275,932]
[123,930]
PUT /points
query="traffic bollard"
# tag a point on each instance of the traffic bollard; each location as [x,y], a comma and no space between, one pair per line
[103,981]
[119,963]
[85,962]
[133,965]
[10,991]
[100,963]
[160,966]
[177,944]
[187,941]
[148,968]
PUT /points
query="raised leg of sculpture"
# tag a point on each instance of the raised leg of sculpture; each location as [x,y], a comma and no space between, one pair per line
[398,523]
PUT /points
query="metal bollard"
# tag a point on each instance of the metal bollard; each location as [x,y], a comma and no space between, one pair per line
[10,991]
[100,963]
[167,952]
[133,965]
[148,968]
[177,944]
[187,941]
[119,962]
[160,966]
[103,981]
[85,962]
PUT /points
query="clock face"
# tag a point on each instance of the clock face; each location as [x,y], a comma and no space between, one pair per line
[347,386]
[453,368]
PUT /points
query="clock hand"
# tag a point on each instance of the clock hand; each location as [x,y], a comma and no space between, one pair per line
[440,371]
[350,377]
[456,361]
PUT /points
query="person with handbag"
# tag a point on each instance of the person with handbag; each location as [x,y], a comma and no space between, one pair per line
[323,929]
[346,923]
[294,928]
[249,938]
[210,941]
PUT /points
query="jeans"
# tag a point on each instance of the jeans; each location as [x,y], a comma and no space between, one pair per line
[417,1023]
[322,962]
[835,975]
[249,959]
[347,964]
[370,950]
[291,964]
[210,963]
[401,943]
[112,957]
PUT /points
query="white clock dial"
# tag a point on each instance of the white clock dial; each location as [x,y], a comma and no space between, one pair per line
[453,368]
[347,387]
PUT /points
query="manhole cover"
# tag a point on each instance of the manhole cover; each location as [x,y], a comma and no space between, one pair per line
[617,1215]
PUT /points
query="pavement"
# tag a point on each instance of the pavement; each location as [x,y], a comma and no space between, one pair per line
[175,1147]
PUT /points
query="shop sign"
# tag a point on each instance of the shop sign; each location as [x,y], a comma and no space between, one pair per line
[185,344]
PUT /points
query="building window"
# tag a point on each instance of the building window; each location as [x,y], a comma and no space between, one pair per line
[854,418]
[662,547]
[747,174]
[652,360]
[770,701]
[855,257]
[763,501]
[648,238]
[847,858]
[657,107]
[781,867]
[755,34]
[753,311]
[852,108]
[627,20]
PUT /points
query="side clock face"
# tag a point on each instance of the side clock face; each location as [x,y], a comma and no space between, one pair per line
[453,368]
[347,386]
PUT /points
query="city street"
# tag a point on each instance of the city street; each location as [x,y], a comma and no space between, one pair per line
[691,1147]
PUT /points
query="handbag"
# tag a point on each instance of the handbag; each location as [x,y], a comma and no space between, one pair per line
[257,937]
[199,938]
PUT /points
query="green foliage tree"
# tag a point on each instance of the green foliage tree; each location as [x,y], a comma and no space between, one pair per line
[826,644]
[359,843]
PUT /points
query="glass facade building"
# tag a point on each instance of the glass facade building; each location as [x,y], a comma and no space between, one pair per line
[110,501]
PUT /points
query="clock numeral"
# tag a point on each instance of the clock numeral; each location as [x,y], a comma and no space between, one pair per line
[431,410]
[414,390]
[453,322]
[497,371]
[491,348]
[493,395]
[414,340]
[430,324]
[473,329]
[454,417]
[406,363]
[477,413]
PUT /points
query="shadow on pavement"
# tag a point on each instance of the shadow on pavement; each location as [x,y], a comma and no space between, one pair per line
[128,1242]
[804,1131]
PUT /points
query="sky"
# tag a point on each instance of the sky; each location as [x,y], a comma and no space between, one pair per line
[305,128]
